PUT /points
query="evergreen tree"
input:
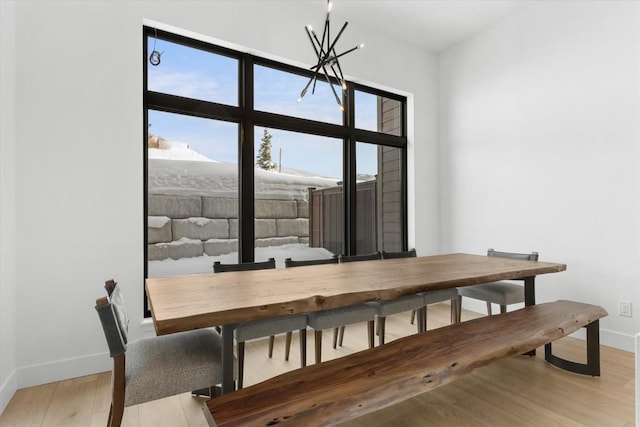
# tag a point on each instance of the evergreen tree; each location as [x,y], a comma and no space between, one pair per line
[263,159]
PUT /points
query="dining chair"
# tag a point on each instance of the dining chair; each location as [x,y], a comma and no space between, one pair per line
[501,293]
[334,318]
[156,367]
[416,303]
[354,258]
[265,327]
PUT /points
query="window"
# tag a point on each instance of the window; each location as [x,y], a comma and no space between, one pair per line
[237,170]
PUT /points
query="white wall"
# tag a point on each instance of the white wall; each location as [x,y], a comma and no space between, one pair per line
[78,157]
[8,379]
[539,149]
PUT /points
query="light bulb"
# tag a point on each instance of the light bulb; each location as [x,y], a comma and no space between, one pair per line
[361,45]
[344,85]
[329,7]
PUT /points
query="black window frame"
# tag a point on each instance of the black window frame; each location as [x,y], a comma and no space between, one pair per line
[248,118]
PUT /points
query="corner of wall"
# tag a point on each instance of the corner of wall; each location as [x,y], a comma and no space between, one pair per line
[8,377]
[7,390]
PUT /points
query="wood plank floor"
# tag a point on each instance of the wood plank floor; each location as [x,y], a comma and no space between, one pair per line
[520,391]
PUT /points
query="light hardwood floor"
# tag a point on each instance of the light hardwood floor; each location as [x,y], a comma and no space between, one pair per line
[520,391]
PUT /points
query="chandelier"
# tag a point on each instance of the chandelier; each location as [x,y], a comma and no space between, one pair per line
[328,64]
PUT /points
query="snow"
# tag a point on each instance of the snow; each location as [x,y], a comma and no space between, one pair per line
[175,150]
[204,264]
[178,170]
[158,221]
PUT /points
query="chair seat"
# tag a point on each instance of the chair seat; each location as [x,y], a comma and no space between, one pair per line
[267,327]
[167,365]
[337,317]
[397,305]
[432,297]
[502,293]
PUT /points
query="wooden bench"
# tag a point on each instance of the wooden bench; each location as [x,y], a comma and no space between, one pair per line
[342,389]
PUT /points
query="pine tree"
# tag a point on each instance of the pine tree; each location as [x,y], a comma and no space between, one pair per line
[263,159]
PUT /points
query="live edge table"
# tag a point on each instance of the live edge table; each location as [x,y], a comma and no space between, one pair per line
[198,301]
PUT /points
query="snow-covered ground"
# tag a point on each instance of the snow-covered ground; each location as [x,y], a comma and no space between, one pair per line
[204,264]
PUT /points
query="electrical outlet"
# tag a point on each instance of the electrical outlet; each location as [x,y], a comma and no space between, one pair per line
[625,308]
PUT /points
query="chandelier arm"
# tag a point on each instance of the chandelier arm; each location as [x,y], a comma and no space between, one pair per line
[326,75]
[337,64]
[345,52]
[304,91]
[331,48]
[312,42]
[320,47]
[338,75]
[325,33]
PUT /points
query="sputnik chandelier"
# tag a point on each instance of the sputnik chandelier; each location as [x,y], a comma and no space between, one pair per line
[328,63]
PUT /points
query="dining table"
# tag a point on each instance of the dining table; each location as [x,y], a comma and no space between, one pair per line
[188,302]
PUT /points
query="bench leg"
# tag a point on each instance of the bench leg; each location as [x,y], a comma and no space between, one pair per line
[592,367]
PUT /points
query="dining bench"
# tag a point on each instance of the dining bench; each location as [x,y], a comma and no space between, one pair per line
[349,387]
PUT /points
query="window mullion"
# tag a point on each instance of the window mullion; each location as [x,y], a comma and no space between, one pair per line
[349,185]
[246,171]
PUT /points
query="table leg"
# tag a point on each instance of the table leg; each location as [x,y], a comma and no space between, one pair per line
[530,299]
[530,291]
[227,359]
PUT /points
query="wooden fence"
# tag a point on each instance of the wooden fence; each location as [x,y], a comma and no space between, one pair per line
[326,221]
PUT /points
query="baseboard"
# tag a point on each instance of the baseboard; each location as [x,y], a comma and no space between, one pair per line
[617,340]
[7,390]
[29,376]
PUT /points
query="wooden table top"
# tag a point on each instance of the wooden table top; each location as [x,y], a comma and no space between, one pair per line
[204,300]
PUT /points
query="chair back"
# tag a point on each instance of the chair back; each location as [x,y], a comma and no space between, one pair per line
[291,263]
[114,320]
[245,266]
[403,254]
[533,256]
[365,257]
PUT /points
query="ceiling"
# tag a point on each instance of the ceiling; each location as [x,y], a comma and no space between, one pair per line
[433,25]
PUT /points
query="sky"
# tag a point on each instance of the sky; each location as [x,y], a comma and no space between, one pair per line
[193,73]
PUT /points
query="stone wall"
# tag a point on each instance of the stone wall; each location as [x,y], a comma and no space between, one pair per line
[191,226]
